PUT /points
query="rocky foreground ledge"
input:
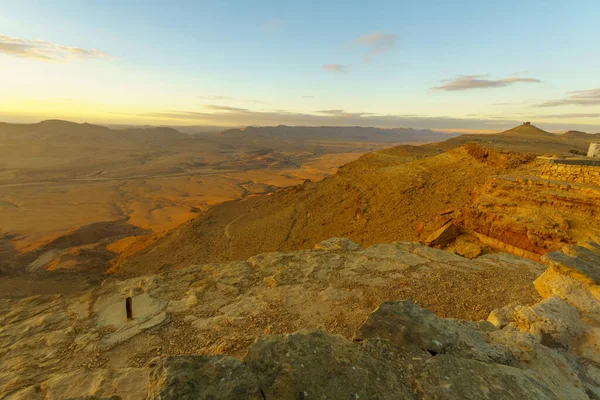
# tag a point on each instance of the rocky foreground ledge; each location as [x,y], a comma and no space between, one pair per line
[548,350]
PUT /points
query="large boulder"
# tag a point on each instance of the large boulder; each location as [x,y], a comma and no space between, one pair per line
[467,249]
[400,352]
[405,324]
[573,278]
[569,316]
[582,262]
[337,243]
[552,321]
[449,377]
[316,365]
[443,236]
[202,377]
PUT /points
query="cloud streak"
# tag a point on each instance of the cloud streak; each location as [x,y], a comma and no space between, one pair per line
[568,116]
[476,82]
[229,98]
[337,68]
[377,43]
[45,51]
[578,98]
[231,116]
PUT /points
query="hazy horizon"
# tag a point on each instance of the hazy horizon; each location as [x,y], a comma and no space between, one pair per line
[214,129]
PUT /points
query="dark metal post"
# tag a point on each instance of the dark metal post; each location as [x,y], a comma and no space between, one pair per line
[129,308]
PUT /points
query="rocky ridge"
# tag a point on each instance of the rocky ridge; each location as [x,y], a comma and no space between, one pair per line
[383,197]
[194,325]
[498,201]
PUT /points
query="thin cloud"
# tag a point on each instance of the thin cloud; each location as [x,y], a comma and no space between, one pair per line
[245,117]
[228,98]
[272,25]
[218,98]
[342,113]
[578,97]
[585,94]
[45,51]
[308,97]
[334,68]
[377,43]
[224,108]
[568,115]
[476,82]
[230,116]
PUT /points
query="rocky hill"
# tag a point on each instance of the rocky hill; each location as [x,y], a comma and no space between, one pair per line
[402,193]
[184,334]
[527,130]
[523,138]
[581,135]
[381,197]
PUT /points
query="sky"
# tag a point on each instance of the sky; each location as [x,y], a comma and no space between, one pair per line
[453,65]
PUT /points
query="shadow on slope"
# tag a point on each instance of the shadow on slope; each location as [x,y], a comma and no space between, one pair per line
[83,249]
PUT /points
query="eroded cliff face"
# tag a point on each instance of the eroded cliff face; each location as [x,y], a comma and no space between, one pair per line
[209,317]
[531,213]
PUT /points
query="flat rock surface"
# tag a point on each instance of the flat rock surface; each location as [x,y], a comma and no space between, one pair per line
[221,309]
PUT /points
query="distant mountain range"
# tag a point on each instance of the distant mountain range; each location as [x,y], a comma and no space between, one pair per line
[60,130]
[54,142]
[581,135]
[345,133]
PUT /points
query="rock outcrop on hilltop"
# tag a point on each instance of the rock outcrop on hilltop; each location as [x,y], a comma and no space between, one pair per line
[191,328]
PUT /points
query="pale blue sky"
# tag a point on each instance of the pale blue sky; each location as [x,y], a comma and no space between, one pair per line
[268,62]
